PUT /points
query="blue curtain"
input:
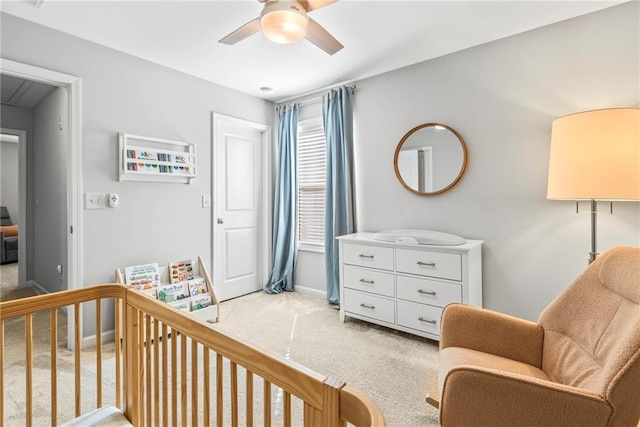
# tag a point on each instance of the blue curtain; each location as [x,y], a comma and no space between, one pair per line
[285,211]
[337,116]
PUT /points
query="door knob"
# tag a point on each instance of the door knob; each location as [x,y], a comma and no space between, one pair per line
[220,221]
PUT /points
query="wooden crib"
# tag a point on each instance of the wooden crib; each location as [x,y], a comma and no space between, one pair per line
[169,368]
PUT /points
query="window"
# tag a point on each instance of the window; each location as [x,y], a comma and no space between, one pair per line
[312,166]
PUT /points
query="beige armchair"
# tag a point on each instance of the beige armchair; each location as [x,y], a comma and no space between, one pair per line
[578,366]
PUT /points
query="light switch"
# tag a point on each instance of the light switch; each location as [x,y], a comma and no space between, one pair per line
[206,201]
[94,200]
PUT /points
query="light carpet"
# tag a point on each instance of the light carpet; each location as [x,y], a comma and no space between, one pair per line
[395,369]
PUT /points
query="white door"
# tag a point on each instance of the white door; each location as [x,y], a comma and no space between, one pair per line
[240,198]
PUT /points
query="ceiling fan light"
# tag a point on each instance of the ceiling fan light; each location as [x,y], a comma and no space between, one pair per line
[284,26]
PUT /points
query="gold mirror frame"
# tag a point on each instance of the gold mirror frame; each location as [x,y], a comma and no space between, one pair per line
[463,168]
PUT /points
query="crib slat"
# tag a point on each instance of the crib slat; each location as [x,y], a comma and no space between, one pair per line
[286,408]
[28,336]
[148,368]
[76,352]
[1,369]
[156,372]
[183,378]
[267,403]
[118,336]
[99,352]
[234,394]
[174,377]
[141,368]
[219,390]
[53,337]
[206,386]
[165,378]
[194,383]
[249,398]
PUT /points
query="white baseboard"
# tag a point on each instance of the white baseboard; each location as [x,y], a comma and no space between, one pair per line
[107,337]
[310,291]
[34,284]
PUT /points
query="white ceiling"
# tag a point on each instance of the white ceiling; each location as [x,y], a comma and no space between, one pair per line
[378,36]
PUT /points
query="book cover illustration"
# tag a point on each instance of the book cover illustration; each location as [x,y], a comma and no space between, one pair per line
[182,304]
[172,292]
[180,271]
[197,286]
[142,277]
[200,302]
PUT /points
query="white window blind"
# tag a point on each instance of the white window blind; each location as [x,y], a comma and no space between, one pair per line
[311,184]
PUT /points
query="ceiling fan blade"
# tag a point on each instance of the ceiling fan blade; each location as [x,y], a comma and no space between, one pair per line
[317,35]
[242,33]
[310,5]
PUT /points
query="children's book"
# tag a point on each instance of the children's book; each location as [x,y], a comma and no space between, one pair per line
[200,302]
[180,271]
[197,286]
[142,277]
[172,292]
[182,304]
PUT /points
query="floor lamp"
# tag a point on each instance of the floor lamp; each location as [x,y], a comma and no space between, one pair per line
[595,155]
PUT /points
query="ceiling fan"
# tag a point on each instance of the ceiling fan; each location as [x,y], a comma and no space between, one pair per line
[286,21]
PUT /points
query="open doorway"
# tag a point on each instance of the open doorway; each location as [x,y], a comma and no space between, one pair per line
[49,178]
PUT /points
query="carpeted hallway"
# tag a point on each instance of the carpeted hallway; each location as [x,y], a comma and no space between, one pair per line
[395,369]
[9,284]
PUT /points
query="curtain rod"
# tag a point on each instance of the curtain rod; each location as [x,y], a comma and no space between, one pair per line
[313,99]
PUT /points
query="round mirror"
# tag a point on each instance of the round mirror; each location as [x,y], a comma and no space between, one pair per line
[430,159]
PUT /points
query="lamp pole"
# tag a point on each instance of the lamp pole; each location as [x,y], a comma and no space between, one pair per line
[594,214]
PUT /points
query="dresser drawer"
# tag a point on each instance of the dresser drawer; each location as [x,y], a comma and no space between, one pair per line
[425,318]
[432,264]
[368,256]
[367,280]
[428,291]
[369,305]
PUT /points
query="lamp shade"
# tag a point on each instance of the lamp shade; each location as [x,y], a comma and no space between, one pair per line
[595,155]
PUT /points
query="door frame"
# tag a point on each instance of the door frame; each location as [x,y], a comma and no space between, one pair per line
[267,186]
[74,170]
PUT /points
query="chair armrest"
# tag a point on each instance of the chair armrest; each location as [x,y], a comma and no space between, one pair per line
[478,396]
[491,332]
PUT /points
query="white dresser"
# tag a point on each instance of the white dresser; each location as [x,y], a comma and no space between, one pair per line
[405,286]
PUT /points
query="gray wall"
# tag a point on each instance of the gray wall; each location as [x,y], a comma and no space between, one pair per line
[17,118]
[502,97]
[120,93]
[49,173]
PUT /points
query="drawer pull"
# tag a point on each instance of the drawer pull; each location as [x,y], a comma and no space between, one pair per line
[432,293]
[422,319]
[426,264]
[370,307]
[370,282]
[365,256]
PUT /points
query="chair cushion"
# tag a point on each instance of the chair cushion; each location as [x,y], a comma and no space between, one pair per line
[9,230]
[452,357]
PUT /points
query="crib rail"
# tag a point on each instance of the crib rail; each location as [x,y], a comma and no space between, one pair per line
[169,368]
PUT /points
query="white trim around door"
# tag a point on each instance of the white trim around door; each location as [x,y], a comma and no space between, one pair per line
[74,171]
